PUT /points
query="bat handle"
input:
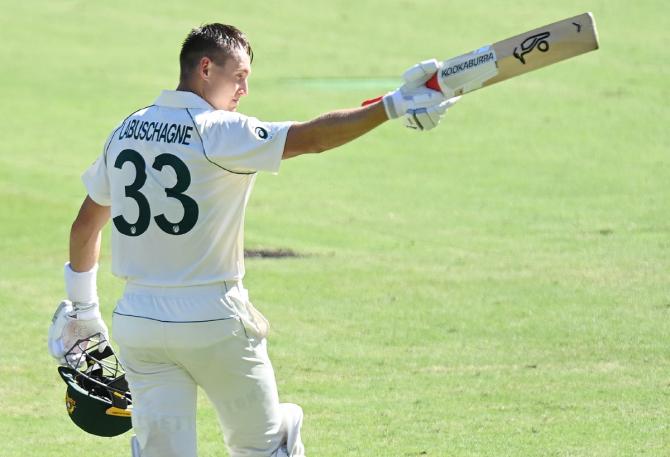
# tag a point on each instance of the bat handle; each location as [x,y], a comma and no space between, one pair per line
[371,101]
[431,84]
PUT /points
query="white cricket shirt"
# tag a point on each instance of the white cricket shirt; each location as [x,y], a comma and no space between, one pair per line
[178,175]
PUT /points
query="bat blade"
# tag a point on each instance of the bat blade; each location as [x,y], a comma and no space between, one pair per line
[515,56]
[526,52]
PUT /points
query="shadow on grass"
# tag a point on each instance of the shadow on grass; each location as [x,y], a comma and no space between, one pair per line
[270,253]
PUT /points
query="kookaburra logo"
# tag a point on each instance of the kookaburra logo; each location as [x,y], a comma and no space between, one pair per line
[530,43]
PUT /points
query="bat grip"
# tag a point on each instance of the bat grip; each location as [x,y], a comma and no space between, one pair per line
[431,84]
[370,101]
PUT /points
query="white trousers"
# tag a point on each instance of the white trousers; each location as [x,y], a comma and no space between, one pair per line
[174,339]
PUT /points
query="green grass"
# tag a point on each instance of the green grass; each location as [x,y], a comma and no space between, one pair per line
[497,287]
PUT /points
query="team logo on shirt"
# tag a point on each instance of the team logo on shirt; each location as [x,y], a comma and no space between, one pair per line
[261,133]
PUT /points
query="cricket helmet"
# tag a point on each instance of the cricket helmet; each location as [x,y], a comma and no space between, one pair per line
[97,397]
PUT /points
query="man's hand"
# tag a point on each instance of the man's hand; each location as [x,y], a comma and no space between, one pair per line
[72,322]
[413,94]
[422,107]
[428,118]
[78,317]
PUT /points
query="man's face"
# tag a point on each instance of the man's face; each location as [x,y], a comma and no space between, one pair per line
[226,84]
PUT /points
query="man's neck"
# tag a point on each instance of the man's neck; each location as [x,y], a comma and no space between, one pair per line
[185,87]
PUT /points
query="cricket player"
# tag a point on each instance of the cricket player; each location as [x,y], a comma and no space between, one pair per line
[175,178]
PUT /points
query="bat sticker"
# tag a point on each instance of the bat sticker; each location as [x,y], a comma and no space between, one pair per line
[530,43]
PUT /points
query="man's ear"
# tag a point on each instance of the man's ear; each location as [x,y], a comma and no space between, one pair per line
[204,67]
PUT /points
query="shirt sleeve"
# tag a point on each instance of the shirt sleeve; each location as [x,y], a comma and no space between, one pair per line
[244,144]
[96,180]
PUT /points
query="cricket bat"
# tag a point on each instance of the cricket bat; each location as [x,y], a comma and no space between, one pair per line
[514,56]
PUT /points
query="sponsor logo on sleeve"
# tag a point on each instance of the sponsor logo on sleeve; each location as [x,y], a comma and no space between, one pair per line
[261,133]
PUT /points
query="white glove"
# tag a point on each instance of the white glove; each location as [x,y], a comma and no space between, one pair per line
[428,118]
[414,95]
[78,317]
[73,322]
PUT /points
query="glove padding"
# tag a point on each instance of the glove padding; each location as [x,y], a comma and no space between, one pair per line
[422,107]
[73,322]
[413,93]
[428,118]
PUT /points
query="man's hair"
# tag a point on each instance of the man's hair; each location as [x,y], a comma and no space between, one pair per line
[216,41]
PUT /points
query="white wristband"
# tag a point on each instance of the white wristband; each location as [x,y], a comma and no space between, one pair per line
[81,287]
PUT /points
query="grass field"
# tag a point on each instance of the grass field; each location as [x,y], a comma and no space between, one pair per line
[496,287]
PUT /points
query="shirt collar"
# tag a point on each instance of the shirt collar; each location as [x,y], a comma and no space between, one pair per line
[181,99]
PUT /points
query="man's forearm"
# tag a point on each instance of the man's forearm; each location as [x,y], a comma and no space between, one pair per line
[332,129]
[84,250]
[85,235]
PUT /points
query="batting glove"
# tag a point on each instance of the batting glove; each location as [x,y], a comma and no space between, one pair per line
[73,322]
[78,317]
[428,118]
[413,94]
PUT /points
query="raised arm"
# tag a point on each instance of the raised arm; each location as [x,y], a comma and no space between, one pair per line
[332,129]
[421,107]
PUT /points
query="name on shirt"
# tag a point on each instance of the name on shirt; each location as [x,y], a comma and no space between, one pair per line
[156,131]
